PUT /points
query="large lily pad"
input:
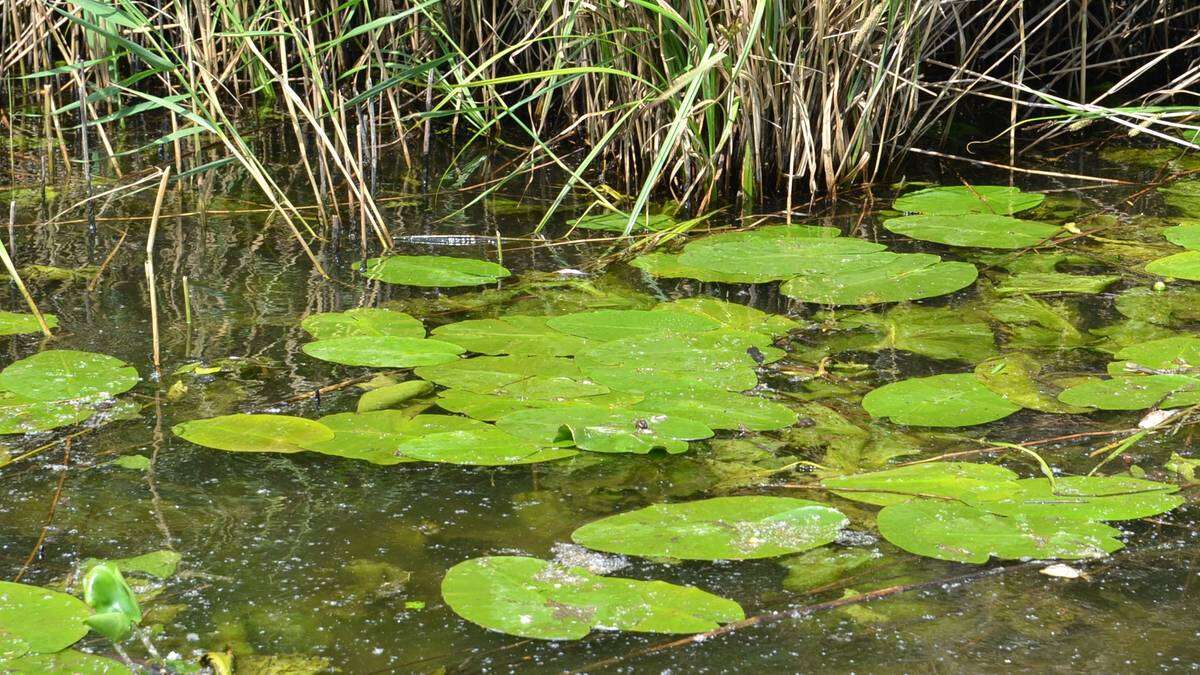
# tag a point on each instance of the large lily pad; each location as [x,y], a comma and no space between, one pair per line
[20,415]
[950,400]
[669,266]
[1038,283]
[950,530]
[775,260]
[979,230]
[616,222]
[383,352]
[721,359]
[1186,235]
[909,276]
[41,620]
[67,661]
[956,200]
[719,409]
[1134,392]
[935,332]
[949,480]
[1184,195]
[611,324]
[254,433]
[521,335]
[362,321]
[491,407]
[15,323]
[1015,378]
[541,377]
[732,316]
[532,598]
[374,436]
[1184,265]
[722,528]
[433,271]
[1174,354]
[1076,498]
[1175,304]
[601,429]
[63,374]
[481,444]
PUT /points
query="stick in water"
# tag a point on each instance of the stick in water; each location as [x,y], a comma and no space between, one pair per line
[12,271]
[158,200]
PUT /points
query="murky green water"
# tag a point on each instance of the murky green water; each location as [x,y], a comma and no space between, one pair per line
[325,557]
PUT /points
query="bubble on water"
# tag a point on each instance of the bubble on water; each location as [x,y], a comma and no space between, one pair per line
[574,555]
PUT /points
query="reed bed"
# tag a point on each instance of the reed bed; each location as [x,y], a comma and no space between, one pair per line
[700,100]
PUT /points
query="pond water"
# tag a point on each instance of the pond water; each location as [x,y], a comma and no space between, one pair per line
[340,561]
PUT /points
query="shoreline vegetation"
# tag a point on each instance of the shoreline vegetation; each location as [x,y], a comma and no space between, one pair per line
[701,102]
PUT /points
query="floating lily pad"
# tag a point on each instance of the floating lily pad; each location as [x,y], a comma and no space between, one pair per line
[521,335]
[669,266]
[160,564]
[603,430]
[363,321]
[64,374]
[1038,283]
[616,222]
[935,332]
[1134,392]
[1184,195]
[532,598]
[1172,305]
[64,662]
[950,400]
[721,359]
[1186,235]
[392,395]
[1178,354]
[1014,378]
[722,528]
[15,323]
[374,436]
[1184,265]
[491,407]
[479,445]
[19,415]
[383,352]
[611,324]
[1076,498]
[433,271]
[733,316]
[44,621]
[719,409]
[775,260]
[534,377]
[958,200]
[932,479]
[979,230]
[909,276]
[254,433]
[950,530]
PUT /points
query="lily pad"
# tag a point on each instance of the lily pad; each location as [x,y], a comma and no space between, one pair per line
[1076,498]
[611,324]
[160,564]
[616,222]
[20,415]
[909,276]
[536,377]
[491,407]
[45,621]
[433,271]
[1014,377]
[1134,392]
[957,200]
[719,409]
[978,230]
[362,321]
[1038,283]
[532,598]
[254,433]
[521,335]
[669,266]
[383,352]
[733,316]
[775,260]
[1186,235]
[1178,354]
[67,661]
[1184,265]
[603,430]
[950,400]
[722,528]
[935,332]
[1184,195]
[481,444]
[1173,305]
[392,395]
[64,374]
[948,480]
[374,436]
[15,323]
[721,359]
[950,530]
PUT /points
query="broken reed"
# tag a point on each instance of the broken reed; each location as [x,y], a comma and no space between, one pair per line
[698,98]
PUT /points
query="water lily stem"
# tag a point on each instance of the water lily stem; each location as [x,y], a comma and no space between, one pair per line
[12,271]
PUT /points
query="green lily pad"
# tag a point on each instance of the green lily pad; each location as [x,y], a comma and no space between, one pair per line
[719,409]
[20,415]
[362,321]
[532,598]
[1032,323]
[161,564]
[1184,195]
[721,359]
[1172,305]
[733,316]
[611,324]
[1186,235]
[949,530]
[392,395]
[909,276]
[254,433]
[520,335]
[1076,498]
[775,260]
[932,479]
[722,528]
[1014,378]
[1179,354]
[959,200]
[936,332]
[978,230]
[616,222]
[1134,392]
[374,436]
[600,429]
[525,377]
[481,444]
[1038,283]
[64,374]
[433,271]
[64,662]
[950,400]
[1184,265]
[45,621]
[15,323]
[669,266]
[491,407]
[383,352]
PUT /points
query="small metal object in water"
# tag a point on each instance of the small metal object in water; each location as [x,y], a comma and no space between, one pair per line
[445,239]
